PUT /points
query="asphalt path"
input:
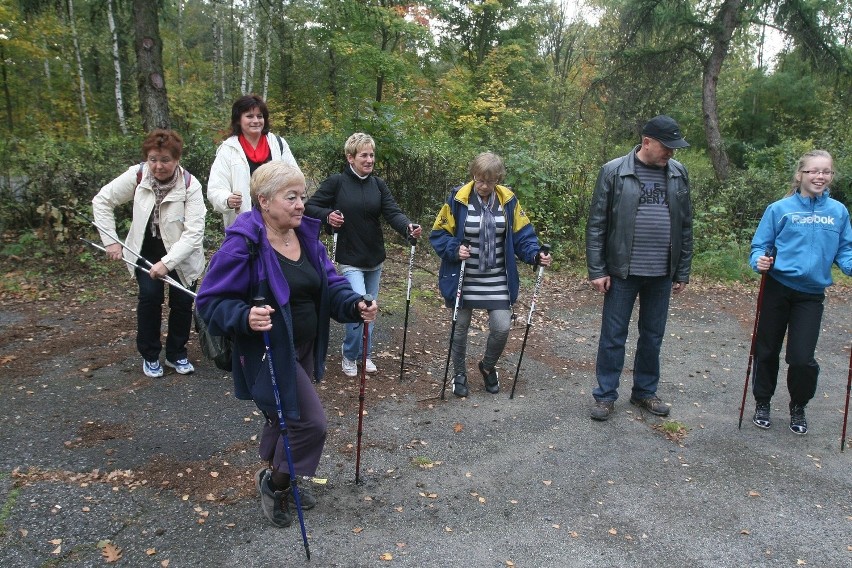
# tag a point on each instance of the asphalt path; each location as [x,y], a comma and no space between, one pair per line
[102,458]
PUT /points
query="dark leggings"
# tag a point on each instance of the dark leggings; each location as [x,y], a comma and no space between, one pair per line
[307,434]
[799,315]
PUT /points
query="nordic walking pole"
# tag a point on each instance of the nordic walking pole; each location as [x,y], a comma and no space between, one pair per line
[368,299]
[846,410]
[465,243]
[260,302]
[166,278]
[334,239]
[413,242]
[770,252]
[545,249]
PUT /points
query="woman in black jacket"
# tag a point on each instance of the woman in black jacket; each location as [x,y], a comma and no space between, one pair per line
[362,199]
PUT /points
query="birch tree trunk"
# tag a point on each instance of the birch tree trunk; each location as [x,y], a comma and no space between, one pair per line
[244,62]
[267,27]
[84,108]
[252,52]
[149,58]
[119,100]
[180,41]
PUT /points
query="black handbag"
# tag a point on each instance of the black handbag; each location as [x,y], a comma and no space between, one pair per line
[219,348]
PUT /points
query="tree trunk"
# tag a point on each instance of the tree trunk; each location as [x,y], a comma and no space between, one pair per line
[266,62]
[180,41]
[244,62]
[724,24]
[119,100]
[7,95]
[150,81]
[84,107]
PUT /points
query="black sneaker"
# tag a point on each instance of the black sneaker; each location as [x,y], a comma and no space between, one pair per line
[761,415]
[275,504]
[798,423]
[460,384]
[492,381]
[652,404]
[602,409]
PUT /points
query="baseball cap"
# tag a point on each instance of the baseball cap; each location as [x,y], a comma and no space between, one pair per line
[665,129]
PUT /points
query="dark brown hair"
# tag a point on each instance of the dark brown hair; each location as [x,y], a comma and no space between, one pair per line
[244,104]
[164,141]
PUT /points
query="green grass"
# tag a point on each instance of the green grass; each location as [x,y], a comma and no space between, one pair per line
[6,510]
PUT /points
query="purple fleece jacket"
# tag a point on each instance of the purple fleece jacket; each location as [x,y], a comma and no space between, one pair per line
[224,301]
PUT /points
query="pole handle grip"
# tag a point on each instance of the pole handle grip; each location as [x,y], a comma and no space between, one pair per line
[368,299]
[258,301]
[411,240]
[545,249]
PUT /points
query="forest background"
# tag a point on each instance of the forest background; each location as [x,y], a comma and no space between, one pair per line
[557,87]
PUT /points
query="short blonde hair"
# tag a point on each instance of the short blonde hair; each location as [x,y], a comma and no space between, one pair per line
[357,141]
[272,177]
[488,164]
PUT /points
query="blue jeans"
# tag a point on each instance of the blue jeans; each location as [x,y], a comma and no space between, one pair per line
[149,318]
[654,293]
[363,281]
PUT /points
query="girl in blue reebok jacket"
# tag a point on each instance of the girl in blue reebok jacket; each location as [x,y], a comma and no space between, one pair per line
[810,231]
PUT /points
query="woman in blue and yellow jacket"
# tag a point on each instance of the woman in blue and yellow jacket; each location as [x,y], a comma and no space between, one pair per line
[489,217]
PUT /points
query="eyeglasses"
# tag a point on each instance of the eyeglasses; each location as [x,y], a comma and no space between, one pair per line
[487,182]
[826,173]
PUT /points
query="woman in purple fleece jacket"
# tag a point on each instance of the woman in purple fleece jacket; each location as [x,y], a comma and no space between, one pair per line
[274,251]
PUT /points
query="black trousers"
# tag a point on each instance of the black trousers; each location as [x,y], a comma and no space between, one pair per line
[149,309]
[799,315]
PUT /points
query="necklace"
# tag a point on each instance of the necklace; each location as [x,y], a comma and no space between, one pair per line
[285,236]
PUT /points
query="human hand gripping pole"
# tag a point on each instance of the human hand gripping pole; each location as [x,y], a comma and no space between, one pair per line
[545,249]
[466,244]
[334,238]
[114,237]
[770,251]
[413,242]
[260,302]
[368,299]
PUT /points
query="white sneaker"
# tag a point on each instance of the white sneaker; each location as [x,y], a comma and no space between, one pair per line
[182,366]
[370,366]
[152,369]
[350,369]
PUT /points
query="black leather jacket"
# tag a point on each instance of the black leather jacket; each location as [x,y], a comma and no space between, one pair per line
[609,231]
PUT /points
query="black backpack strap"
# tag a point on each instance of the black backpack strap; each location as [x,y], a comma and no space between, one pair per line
[280,145]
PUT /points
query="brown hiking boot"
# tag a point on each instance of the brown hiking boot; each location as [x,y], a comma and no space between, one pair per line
[653,405]
[602,409]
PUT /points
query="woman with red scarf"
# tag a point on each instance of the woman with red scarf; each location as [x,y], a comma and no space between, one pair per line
[250,145]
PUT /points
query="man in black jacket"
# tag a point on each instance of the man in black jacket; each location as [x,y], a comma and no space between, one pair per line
[638,244]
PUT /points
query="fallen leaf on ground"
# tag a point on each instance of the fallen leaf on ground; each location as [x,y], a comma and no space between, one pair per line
[151,551]
[612,531]
[753,494]
[111,552]
[386,556]
[458,427]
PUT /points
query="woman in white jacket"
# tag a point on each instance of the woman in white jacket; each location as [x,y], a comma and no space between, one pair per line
[167,229]
[249,146]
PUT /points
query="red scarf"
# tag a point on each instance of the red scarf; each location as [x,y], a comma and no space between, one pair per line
[258,155]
